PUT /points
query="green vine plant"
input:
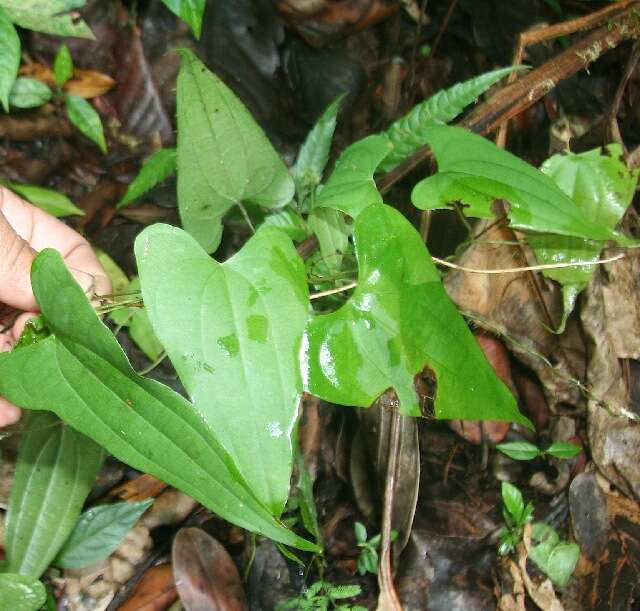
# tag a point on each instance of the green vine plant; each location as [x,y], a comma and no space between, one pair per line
[244,336]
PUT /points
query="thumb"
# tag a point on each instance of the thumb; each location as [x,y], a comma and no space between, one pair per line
[16,257]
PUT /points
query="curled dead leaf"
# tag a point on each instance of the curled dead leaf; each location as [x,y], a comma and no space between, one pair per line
[83,83]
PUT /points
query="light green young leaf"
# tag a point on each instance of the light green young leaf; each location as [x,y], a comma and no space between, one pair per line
[86,119]
[410,132]
[513,501]
[360,531]
[314,153]
[332,232]
[29,93]
[288,221]
[55,471]
[556,559]
[98,532]
[56,17]
[157,168]
[563,449]
[83,375]
[232,331]
[351,187]
[398,321]
[53,202]
[62,66]
[9,58]
[343,591]
[601,187]
[224,158]
[519,450]
[20,593]
[190,11]
[474,170]
[119,280]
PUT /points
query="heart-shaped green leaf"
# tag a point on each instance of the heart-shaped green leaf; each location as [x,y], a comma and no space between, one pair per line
[54,474]
[351,187]
[398,321]
[81,373]
[601,187]
[475,171]
[224,158]
[232,331]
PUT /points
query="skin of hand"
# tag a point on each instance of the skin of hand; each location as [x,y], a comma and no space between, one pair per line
[24,231]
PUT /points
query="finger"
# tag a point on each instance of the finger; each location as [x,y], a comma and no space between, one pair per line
[9,413]
[16,257]
[41,231]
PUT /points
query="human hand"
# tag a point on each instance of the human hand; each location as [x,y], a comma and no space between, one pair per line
[24,231]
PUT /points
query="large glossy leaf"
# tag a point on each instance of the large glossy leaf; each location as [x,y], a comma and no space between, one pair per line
[232,332]
[190,11]
[601,188]
[398,321]
[409,133]
[475,171]
[9,58]
[54,474]
[20,593]
[49,16]
[154,170]
[224,158]
[98,532]
[351,187]
[81,373]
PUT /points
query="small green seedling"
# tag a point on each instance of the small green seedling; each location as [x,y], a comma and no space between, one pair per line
[368,560]
[322,596]
[523,450]
[516,515]
[557,559]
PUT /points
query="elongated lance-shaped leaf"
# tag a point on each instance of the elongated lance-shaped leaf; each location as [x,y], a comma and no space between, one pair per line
[54,474]
[224,158]
[601,188]
[98,532]
[409,133]
[351,187]
[154,170]
[476,172]
[232,331]
[398,321]
[9,58]
[190,11]
[314,152]
[86,119]
[55,17]
[81,373]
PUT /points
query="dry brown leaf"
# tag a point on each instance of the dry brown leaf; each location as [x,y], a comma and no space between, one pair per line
[614,439]
[154,592]
[508,304]
[142,487]
[206,577]
[83,83]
